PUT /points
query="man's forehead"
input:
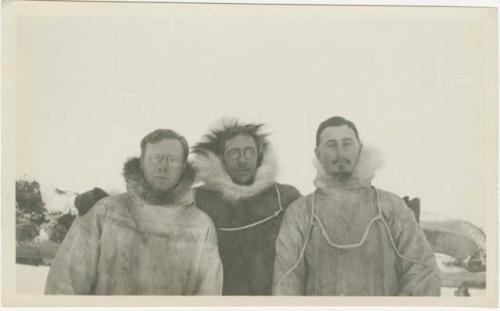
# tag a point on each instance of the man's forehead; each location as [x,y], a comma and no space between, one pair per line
[239,141]
[337,133]
[164,146]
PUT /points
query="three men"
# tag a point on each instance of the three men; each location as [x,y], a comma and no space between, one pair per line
[151,240]
[240,194]
[348,237]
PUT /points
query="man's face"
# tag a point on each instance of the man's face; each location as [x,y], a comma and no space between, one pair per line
[240,159]
[338,151]
[163,164]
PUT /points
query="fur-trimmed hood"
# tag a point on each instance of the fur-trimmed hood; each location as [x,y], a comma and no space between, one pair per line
[369,161]
[211,171]
[181,194]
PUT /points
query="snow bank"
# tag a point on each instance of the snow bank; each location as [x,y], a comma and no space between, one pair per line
[57,200]
[31,279]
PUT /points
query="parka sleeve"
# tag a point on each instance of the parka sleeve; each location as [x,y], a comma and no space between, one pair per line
[289,266]
[420,278]
[211,274]
[74,269]
[289,194]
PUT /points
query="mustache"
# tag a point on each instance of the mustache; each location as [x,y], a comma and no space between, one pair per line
[342,160]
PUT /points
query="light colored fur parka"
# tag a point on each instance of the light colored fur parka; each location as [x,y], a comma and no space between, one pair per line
[137,244]
[335,241]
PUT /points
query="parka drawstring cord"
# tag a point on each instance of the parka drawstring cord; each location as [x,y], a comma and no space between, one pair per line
[379,216]
[303,250]
[275,214]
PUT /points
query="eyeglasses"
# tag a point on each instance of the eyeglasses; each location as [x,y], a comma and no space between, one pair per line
[159,158]
[235,154]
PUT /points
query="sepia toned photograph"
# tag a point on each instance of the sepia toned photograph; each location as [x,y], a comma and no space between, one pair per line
[195,154]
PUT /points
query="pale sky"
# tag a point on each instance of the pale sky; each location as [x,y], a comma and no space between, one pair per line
[418,82]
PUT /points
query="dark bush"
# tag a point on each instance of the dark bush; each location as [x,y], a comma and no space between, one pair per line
[26,231]
[29,198]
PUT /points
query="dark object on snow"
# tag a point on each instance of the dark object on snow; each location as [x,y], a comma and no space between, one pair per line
[463,281]
[414,205]
[61,228]
[58,233]
[66,220]
[86,200]
[462,291]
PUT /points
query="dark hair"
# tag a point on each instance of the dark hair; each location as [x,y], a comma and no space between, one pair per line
[215,140]
[161,134]
[335,121]
[248,130]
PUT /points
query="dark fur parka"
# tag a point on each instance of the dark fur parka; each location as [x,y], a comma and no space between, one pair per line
[248,253]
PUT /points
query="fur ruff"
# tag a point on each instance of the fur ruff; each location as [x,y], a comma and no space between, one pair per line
[137,186]
[211,172]
[369,161]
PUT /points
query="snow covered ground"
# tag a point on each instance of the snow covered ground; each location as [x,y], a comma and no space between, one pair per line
[448,292]
[31,280]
